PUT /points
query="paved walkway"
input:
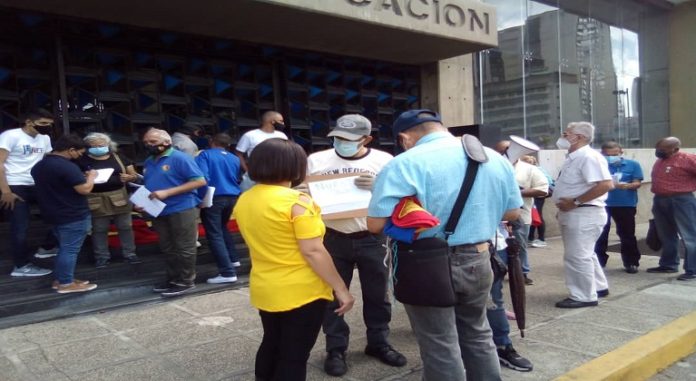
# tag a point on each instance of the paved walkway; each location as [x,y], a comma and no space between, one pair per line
[215,336]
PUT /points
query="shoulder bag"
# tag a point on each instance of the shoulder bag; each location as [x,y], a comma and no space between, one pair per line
[422,273]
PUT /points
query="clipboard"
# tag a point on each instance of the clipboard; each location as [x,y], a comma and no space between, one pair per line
[353,201]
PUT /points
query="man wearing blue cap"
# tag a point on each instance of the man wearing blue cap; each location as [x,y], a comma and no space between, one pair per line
[455,342]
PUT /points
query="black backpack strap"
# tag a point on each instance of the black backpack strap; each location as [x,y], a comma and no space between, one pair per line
[471,169]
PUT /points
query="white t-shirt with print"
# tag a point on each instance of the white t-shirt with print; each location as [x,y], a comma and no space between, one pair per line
[329,163]
[251,139]
[529,177]
[24,152]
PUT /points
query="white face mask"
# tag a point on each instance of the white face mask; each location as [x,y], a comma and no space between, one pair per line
[562,143]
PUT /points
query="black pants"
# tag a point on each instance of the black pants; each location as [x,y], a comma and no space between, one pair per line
[288,337]
[367,254]
[541,229]
[625,219]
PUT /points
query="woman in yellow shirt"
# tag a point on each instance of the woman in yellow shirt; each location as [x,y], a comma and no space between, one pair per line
[292,274]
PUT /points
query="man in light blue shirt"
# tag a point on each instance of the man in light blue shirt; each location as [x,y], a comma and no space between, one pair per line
[432,169]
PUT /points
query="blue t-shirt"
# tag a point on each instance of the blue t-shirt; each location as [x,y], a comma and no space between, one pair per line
[170,170]
[221,170]
[55,177]
[433,171]
[630,170]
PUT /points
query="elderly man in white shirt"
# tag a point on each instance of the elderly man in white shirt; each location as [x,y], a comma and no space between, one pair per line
[580,192]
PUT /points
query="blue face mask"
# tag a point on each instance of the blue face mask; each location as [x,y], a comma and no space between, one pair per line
[98,151]
[346,148]
[613,160]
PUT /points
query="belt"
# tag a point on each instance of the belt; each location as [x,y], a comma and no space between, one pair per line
[675,194]
[588,205]
[356,235]
[470,248]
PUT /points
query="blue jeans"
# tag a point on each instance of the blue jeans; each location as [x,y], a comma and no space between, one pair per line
[70,238]
[19,224]
[220,240]
[455,342]
[674,214]
[367,254]
[496,315]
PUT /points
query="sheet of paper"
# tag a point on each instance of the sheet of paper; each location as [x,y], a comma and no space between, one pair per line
[103,175]
[339,195]
[141,199]
[207,201]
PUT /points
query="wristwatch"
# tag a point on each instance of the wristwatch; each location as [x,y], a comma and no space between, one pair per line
[576,202]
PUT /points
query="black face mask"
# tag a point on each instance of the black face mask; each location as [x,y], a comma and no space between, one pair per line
[154,149]
[278,126]
[44,130]
[661,154]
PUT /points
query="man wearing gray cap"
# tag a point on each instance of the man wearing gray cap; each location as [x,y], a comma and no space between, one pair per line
[455,342]
[351,245]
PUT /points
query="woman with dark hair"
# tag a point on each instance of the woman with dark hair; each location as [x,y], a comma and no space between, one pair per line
[292,274]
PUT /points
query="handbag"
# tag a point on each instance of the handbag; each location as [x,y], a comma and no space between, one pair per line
[652,239]
[422,272]
[536,217]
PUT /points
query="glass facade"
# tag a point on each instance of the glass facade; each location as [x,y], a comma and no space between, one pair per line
[564,61]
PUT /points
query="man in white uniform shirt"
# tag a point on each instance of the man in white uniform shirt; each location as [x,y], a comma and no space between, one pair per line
[351,245]
[20,150]
[271,127]
[580,192]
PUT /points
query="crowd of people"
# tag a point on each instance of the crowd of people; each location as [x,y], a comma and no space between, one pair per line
[303,264]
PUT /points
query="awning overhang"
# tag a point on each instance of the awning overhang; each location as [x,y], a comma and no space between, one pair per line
[404,31]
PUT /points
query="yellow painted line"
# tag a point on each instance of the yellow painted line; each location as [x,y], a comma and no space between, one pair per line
[641,358]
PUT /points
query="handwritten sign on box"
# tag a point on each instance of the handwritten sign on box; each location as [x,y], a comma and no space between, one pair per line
[338,196]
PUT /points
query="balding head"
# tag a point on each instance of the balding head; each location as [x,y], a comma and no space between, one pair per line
[272,120]
[666,147]
[156,136]
[502,146]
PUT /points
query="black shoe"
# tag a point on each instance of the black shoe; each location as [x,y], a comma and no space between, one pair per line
[134,260]
[570,303]
[335,363]
[686,276]
[176,290]
[509,358]
[603,293]
[661,270]
[162,287]
[631,269]
[387,355]
[527,280]
[101,263]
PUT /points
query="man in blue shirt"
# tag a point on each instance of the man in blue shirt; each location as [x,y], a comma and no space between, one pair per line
[173,177]
[432,169]
[621,206]
[222,171]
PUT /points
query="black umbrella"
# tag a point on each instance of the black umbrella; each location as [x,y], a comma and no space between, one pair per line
[517,286]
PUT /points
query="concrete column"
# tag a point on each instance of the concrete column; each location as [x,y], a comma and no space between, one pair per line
[682,61]
[448,87]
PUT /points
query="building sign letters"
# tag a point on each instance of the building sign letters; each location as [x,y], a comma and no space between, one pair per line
[436,11]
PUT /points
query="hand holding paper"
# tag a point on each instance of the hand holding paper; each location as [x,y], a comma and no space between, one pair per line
[102,175]
[141,198]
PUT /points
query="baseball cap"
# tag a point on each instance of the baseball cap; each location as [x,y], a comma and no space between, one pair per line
[352,127]
[412,118]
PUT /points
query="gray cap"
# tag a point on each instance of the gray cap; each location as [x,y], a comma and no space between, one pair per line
[352,127]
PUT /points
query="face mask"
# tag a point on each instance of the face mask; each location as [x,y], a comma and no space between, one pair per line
[346,148]
[562,143]
[44,130]
[612,160]
[98,151]
[154,149]
[278,126]
[661,154]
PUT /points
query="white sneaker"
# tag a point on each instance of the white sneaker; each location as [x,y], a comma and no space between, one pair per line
[30,270]
[538,243]
[236,264]
[46,253]
[222,279]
